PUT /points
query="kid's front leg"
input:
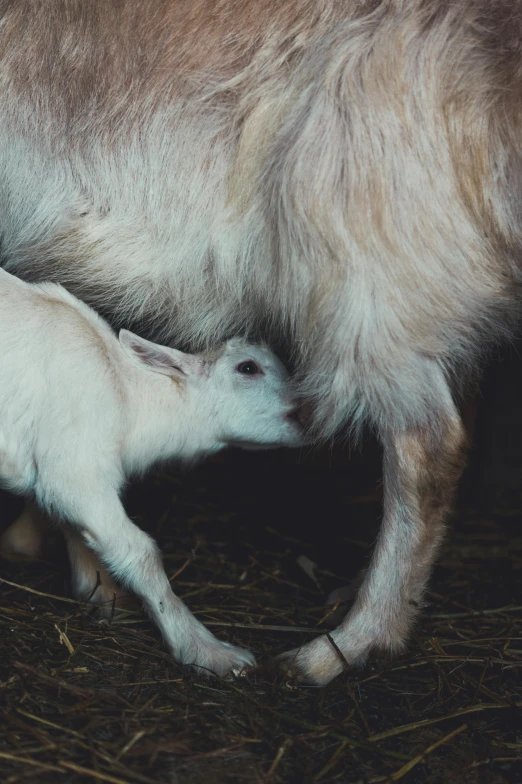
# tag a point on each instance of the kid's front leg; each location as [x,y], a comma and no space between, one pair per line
[133,560]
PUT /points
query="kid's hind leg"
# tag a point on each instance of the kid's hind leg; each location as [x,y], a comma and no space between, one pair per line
[24,538]
[89,578]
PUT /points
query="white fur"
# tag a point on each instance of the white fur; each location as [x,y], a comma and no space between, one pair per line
[81,411]
[345,174]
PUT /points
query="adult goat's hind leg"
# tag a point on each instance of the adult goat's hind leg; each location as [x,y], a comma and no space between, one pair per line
[421,468]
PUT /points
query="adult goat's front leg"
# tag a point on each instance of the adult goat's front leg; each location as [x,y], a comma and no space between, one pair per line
[421,468]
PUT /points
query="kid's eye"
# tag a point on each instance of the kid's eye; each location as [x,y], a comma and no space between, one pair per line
[248,368]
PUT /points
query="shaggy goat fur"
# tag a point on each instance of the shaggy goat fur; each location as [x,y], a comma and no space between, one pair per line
[342,173]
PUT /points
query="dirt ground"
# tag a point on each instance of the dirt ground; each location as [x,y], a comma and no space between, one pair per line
[86,700]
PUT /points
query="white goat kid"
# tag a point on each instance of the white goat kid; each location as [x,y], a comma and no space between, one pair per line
[81,411]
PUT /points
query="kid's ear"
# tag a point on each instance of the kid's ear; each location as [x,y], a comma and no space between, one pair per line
[159,359]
